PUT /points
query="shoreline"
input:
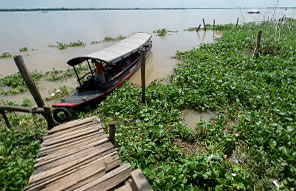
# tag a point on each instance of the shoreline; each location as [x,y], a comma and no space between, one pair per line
[128,9]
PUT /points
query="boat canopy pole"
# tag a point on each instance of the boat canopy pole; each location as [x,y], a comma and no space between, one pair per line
[92,72]
[78,79]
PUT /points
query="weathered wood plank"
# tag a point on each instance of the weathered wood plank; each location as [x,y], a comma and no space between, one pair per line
[140,182]
[80,175]
[126,187]
[109,180]
[37,181]
[69,151]
[55,141]
[70,130]
[42,166]
[72,124]
[79,140]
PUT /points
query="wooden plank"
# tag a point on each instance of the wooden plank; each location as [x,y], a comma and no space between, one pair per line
[55,141]
[38,181]
[92,169]
[51,164]
[70,130]
[140,182]
[79,140]
[73,132]
[72,124]
[126,187]
[109,180]
[68,151]
[68,147]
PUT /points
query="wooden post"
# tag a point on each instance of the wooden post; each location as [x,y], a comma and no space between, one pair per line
[112,130]
[33,89]
[198,28]
[143,73]
[258,44]
[237,22]
[214,22]
[5,118]
[204,23]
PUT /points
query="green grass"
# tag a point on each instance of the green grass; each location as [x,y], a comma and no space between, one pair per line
[5,55]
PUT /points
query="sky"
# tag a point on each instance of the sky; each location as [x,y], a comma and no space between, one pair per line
[6,4]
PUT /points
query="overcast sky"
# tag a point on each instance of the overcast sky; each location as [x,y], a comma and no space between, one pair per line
[144,3]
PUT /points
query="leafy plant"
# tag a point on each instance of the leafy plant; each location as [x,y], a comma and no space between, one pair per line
[5,55]
[110,39]
[24,49]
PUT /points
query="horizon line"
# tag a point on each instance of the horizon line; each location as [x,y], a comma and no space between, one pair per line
[162,8]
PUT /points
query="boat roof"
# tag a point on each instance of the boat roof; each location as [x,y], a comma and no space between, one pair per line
[123,48]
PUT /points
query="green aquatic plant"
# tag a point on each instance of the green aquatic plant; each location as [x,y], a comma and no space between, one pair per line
[51,46]
[24,49]
[5,55]
[19,146]
[63,46]
[110,39]
[15,84]
[163,32]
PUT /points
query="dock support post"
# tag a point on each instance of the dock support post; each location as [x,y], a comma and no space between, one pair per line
[204,23]
[237,22]
[143,73]
[33,89]
[257,50]
[5,118]
[214,22]
[112,130]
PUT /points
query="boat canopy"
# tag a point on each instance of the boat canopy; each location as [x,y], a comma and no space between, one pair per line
[121,49]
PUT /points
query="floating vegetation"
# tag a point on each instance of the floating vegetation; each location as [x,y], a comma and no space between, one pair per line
[19,146]
[163,32]
[250,142]
[5,55]
[14,83]
[24,49]
[51,46]
[111,39]
[63,46]
[94,42]
[60,93]
[210,27]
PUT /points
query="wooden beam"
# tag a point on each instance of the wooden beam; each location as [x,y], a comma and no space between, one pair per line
[5,118]
[140,182]
[33,89]
[22,109]
[142,57]
[112,131]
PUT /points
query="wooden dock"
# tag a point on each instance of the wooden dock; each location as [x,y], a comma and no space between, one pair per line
[78,156]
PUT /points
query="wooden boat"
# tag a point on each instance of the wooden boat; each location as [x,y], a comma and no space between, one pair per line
[108,68]
[253,11]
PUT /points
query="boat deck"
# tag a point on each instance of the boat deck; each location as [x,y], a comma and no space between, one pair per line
[78,156]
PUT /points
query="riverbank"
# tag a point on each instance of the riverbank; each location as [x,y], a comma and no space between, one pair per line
[248,145]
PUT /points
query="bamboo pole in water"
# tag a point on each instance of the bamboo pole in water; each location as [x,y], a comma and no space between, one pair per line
[198,28]
[237,22]
[204,23]
[214,24]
